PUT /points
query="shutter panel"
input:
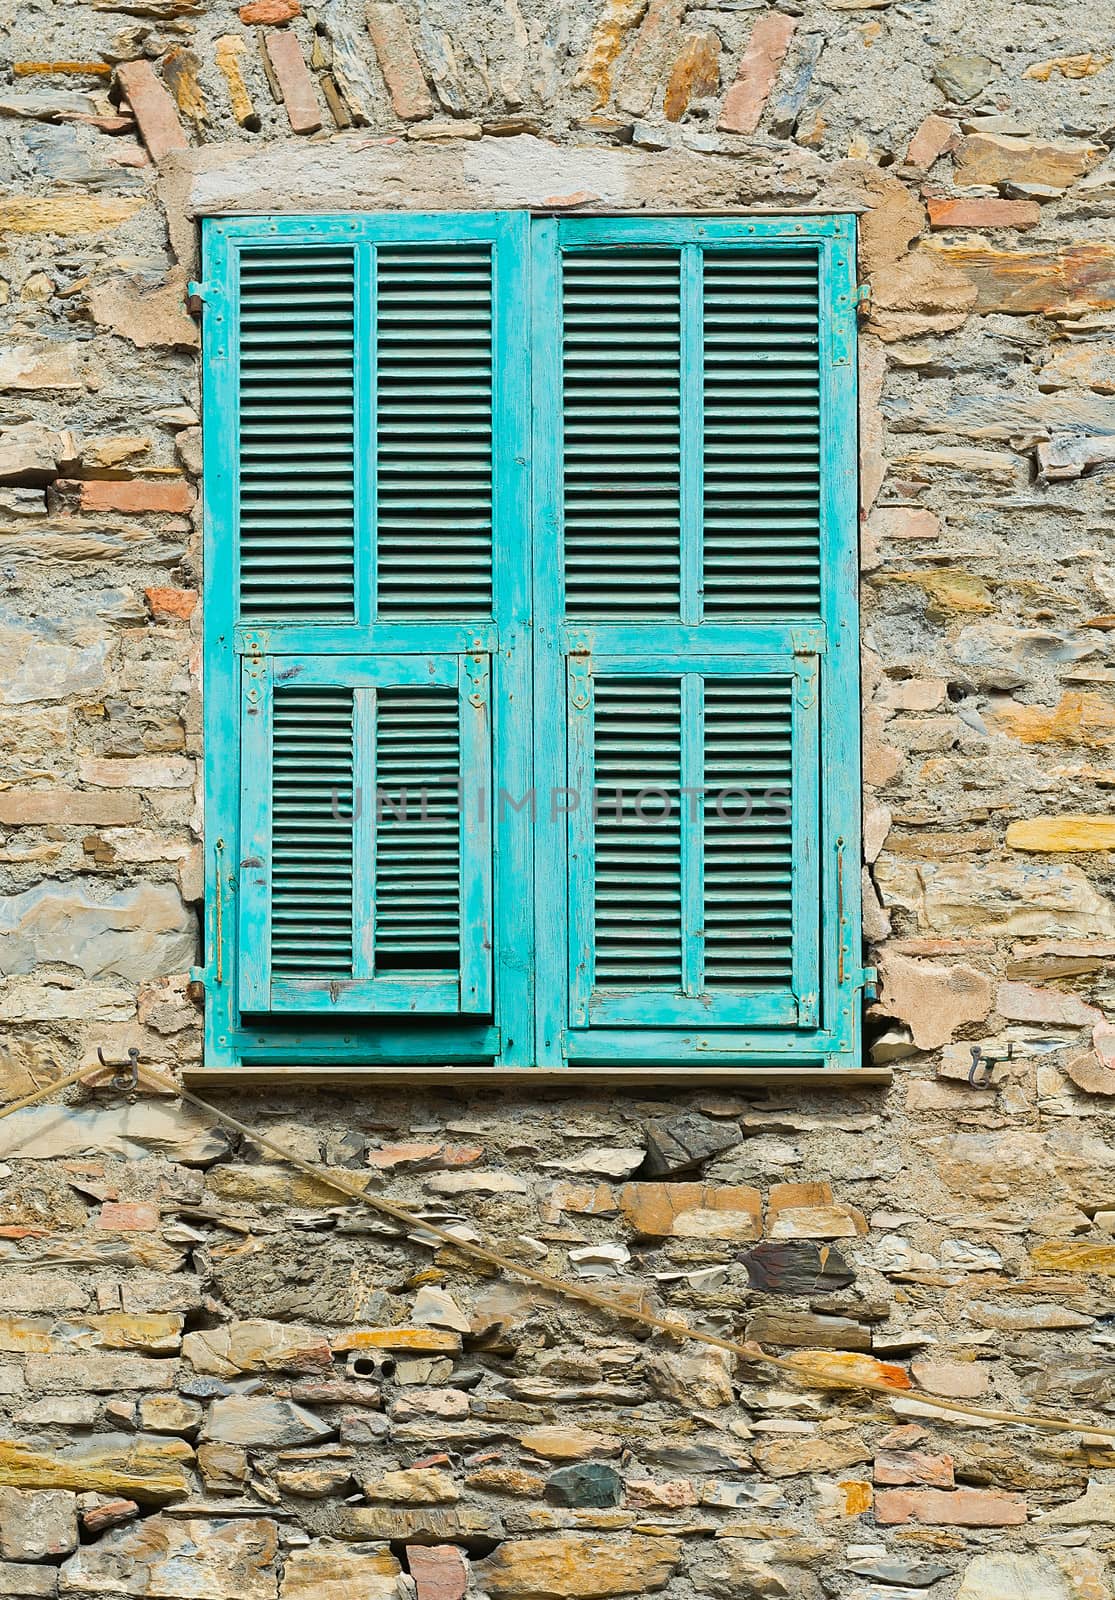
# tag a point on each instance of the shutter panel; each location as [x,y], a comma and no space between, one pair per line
[434,431]
[694,872]
[297,441]
[621,409]
[366,479]
[761,460]
[366,868]
[691,614]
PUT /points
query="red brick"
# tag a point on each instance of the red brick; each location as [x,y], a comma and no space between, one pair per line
[154,108]
[956,1508]
[271,13]
[766,49]
[295,84]
[930,141]
[438,1570]
[914,1466]
[179,603]
[129,1216]
[136,494]
[401,69]
[983,213]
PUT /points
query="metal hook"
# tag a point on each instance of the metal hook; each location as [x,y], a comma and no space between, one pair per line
[988,1063]
[131,1067]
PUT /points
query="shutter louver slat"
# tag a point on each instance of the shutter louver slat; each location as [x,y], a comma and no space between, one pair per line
[761,435]
[621,375]
[418,866]
[296,467]
[637,886]
[748,842]
[311,883]
[434,432]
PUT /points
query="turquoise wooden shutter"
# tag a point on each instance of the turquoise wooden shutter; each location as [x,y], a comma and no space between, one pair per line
[698,504]
[363,641]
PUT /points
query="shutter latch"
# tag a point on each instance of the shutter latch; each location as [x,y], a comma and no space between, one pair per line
[580,696]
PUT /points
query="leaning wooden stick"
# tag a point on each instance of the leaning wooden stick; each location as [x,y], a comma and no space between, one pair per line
[611,1307]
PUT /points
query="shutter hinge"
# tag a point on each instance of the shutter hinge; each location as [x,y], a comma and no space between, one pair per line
[843,322]
[580,696]
[867,979]
[196,296]
[477,669]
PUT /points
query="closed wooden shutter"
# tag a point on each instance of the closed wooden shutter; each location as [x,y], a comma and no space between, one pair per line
[692,492]
[531,687]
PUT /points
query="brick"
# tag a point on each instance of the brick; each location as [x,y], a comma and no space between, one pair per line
[171,603]
[76,807]
[957,1508]
[401,69]
[439,1572]
[128,1216]
[913,1466]
[154,108]
[931,140]
[270,13]
[944,213]
[136,495]
[295,84]
[758,69]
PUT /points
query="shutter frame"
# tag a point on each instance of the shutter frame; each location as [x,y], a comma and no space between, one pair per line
[818,1025]
[364,991]
[530,1023]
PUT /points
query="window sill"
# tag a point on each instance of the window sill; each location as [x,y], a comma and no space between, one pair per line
[454,1077]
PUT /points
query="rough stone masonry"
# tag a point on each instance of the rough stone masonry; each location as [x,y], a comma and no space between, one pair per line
[219,1382]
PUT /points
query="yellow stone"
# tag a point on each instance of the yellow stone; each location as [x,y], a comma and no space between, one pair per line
[949,591]
[569,1444]
[1085,66]
[1062,833]
[415,1486]
[428,1341]
[66,214]
[1077,718]
[843,1368]
[1074,1255]
[148,1470]
[616,21]
[330,1572]
[578,1566]
[284,1186]
[857,1496]
[229,50]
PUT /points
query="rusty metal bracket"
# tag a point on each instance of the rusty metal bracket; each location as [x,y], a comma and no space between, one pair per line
[131,1067]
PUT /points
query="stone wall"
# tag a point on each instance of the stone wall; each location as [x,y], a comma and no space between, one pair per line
[217,1381]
